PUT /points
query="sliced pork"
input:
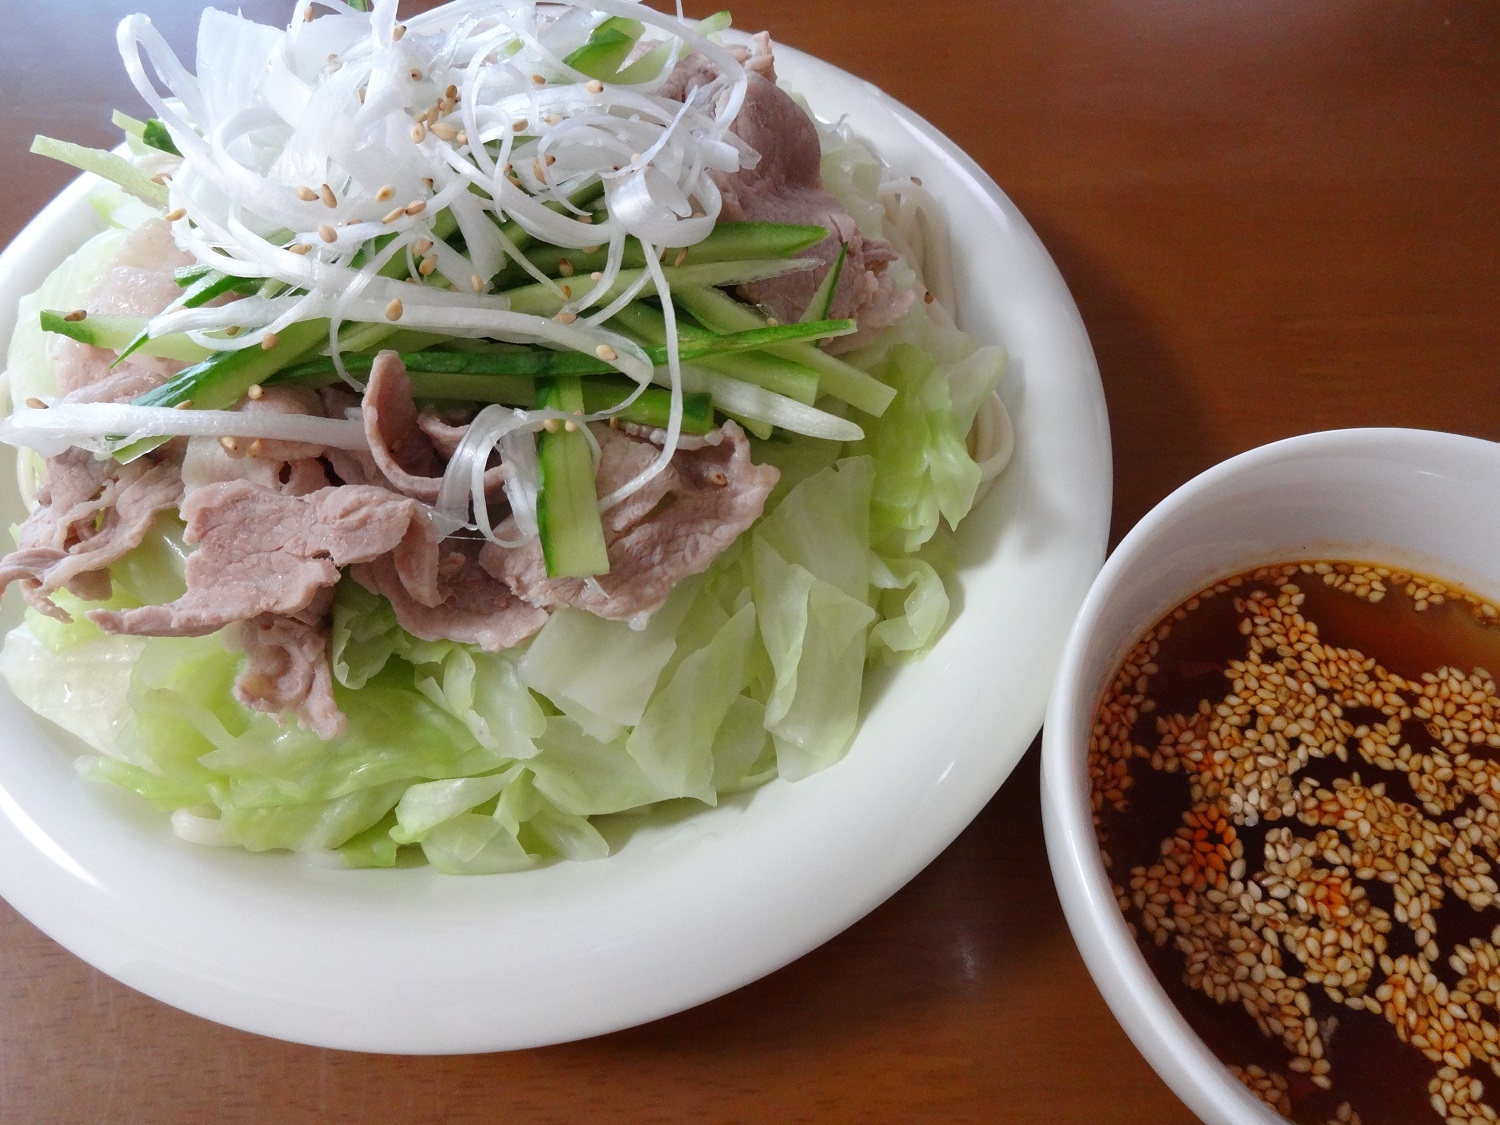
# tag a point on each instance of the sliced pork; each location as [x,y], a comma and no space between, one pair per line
[139,281]
[674,527]
[261,551]
[90,512]
[401,441]
[784,184]
[476,609]
[286,671]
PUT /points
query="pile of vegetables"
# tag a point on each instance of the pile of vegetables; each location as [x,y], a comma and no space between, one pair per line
[540,242]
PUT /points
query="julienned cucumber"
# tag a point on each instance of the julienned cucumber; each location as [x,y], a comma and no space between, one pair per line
[118,332]
[222,380]
[567,507]
[728,242]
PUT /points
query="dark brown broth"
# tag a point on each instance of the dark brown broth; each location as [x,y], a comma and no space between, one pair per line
[1383,1079]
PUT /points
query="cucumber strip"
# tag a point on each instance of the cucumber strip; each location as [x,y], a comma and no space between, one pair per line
[106,165]
[203,284]
[155,134]
[647,67]
[209,284]
[511,390]
[537,361]
[728,242]
[567,505]
[119,332]
[722,313]
[360,336]
[541,300]
[222,380]
[652,408]
[581,198]
[763,368]
[127,124]
[822,300]
[752,426]
[608,47]
[477,364]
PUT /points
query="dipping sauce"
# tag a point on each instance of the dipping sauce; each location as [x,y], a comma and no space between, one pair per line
[1295,779]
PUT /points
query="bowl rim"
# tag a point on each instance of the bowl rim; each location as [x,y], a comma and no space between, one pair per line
[1130,988]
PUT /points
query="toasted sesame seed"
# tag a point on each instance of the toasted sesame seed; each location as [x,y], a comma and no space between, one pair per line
[416,206]
[570,426]
[606,353]
[179,213]
[398,32]
[229,443]
[565,267]
[443,131]
[476,283]
[299,248]
[427,266]
[269,341]
[36,403]
[421,246]
[566,317]
[255,392]
[419,132]
[386,193]
[519,125]
[594,86]
[394,310]
[76,315]
[327,233]
[550,425]
[393,214]
[307,195]
[538,80]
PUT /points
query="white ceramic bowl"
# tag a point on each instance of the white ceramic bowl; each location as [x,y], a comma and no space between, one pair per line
[1405,497]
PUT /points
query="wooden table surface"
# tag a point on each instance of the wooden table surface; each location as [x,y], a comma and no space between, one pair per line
[1275,217]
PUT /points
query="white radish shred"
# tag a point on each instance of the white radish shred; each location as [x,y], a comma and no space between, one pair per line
[104,427]
[340,138]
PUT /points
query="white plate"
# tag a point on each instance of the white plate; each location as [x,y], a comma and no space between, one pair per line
[413,961]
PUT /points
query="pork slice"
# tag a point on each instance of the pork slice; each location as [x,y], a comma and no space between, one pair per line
[85,374]
[674,530]
[261,551]
[139,281]
[403,453]
[401,441]
[141,278]
[90,512]
[294,467]
[476,609]
[280,400]
[786,186]
[286,670]
[443,435]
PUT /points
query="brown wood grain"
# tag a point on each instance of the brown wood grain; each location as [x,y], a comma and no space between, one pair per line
[1275,217]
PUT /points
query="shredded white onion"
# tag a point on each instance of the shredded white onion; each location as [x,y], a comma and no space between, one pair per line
[105,427]
[317,155]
